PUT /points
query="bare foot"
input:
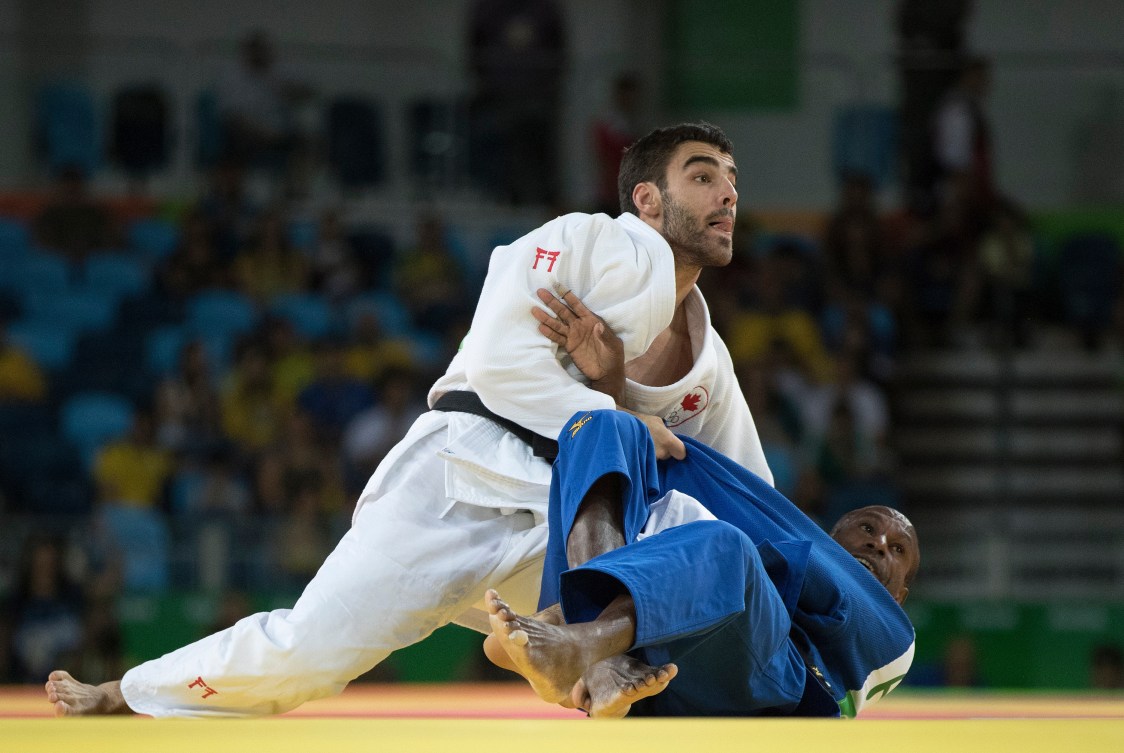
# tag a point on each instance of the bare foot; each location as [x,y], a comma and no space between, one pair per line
[608,689]
[73,698]
[547,655]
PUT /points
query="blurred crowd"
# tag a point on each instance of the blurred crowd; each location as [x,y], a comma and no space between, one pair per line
[245,449]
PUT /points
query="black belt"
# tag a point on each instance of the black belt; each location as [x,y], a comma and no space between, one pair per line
[459,401]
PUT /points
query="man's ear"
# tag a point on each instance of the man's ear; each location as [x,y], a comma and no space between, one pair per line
[646,197]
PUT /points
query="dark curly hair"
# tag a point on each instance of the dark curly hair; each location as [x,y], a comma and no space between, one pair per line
[647,159]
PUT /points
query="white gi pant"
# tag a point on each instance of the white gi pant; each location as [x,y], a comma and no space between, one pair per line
[418,555]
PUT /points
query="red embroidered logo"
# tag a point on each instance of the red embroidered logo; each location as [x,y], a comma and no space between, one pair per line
[550,256]
[692,404]
[207,689]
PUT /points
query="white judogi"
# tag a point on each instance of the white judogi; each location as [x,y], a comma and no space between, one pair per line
[459,505]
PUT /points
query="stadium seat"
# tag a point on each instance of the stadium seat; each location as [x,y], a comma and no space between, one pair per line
[15,238]
[89,419]
[303,234]
[208,130]
[142,538]
[34,273]
[72,311]
[220,311]
[309,314]
[118,274]
[67,128]
[356,142]
[139,132]
[162,349]
[392,315]
[153,238]
[49,346]
[865,142]
[1089,277]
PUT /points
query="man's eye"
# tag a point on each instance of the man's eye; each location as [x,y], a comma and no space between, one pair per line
[899,549]
[866,527]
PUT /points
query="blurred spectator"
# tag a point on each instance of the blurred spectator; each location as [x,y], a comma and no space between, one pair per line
[962,145]
[270,266]
[101,654]
[252,412]
[300,452]
[961,669]
[517,56]
[931,37]
[195,265]
[304,539]
[1106,667]
[614,131]
[370,434]
[41,625]
[133,470]
[772,316]
[293,366]
[333,398]
[216,489]
[853,244]
[335,269]
[370,353]
[233,606]
[428,279]
[1008,265]
[73,223]
[943,274]
[256,99]
[846,421]
[188,415]
[777,422]
[21,379]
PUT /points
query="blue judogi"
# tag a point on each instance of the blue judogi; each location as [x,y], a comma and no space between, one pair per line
[762,611]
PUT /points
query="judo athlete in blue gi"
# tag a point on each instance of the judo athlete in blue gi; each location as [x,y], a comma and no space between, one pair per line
[720,578]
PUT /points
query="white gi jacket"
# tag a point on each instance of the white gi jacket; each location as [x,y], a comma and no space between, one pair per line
[623,270]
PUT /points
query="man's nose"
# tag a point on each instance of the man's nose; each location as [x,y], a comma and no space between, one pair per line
[730,195]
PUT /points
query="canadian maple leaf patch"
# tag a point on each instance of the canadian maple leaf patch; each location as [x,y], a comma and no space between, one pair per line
[692,404]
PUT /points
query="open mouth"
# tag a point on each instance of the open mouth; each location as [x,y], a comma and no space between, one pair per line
[868,565]
[723,225]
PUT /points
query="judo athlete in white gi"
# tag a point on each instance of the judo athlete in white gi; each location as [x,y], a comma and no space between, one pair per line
[459,505]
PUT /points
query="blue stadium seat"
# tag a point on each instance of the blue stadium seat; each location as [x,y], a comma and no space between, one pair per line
[68,129]
[49,346]
[208,130]
[153,237]
[311,315]
[73,310]
[119,274]
[865,142]
[303,234]
[143,539]
[162,349]
[1089,277]
[34,273]
[15,238]
[356,142]
[90,419]
[392,315]
[221,311]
